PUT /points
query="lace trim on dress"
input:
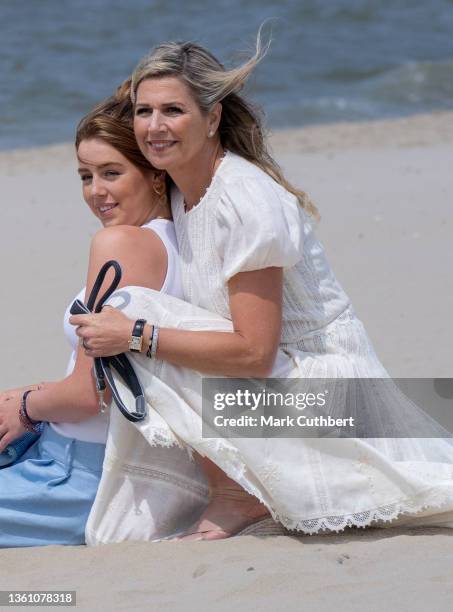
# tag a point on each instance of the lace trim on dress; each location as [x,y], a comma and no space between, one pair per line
[385,514]
[432,497]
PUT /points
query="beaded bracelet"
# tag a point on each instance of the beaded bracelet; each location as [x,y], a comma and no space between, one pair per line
[27,422]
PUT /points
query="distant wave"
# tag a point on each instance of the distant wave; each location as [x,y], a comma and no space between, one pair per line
[414,83]
[343,60]
[359,94]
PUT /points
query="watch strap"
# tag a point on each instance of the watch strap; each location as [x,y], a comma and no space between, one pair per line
[135,343]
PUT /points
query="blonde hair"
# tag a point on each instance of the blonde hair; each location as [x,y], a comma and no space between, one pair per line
[241,126]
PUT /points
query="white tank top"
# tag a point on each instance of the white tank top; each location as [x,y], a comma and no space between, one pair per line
[94,429]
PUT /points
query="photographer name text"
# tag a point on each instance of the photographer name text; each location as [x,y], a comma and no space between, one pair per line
[246,420]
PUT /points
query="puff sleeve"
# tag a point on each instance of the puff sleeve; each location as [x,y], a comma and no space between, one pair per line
[258,225]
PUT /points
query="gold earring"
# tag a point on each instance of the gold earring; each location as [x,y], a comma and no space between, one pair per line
[159,184]
[159,188]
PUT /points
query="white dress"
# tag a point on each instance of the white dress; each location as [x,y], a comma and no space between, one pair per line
[246,222]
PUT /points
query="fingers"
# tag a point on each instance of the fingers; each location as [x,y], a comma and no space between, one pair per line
[5,440]
[81,320]
[83,332]
[89,350]
[88,319]
[86,341]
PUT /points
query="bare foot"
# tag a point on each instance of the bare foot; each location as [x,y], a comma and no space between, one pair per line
[229,511]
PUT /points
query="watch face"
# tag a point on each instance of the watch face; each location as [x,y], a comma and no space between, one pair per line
[135,343]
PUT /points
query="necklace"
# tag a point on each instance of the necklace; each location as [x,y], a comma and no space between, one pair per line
[217,162]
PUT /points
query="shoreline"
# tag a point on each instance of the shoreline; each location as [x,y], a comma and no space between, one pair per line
[421,129]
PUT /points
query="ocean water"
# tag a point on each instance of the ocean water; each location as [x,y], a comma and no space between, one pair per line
[329,60]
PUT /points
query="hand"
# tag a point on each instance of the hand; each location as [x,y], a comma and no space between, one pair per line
[104,334]
[10,426]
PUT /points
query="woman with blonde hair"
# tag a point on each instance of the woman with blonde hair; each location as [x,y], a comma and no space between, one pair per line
[47,494]
[265,303]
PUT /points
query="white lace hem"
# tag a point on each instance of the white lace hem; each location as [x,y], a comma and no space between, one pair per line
[409,507]
[227,458]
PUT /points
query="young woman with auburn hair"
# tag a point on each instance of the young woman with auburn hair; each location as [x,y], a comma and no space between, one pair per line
[46,496]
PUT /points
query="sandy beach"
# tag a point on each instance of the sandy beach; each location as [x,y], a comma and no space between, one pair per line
[384,193]
[361,571]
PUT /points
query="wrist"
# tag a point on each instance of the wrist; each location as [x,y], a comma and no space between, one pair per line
[31,408]
[28,420]
[151,351]
[147,333]
[126,336]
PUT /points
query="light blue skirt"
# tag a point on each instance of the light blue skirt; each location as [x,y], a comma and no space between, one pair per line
[46,497]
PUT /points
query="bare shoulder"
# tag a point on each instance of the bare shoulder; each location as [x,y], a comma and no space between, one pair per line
[120,234]
[139,251]
[124,237]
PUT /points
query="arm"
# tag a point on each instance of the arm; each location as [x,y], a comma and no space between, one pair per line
[256,311]
[143,260]
[73,399]
[256,305]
